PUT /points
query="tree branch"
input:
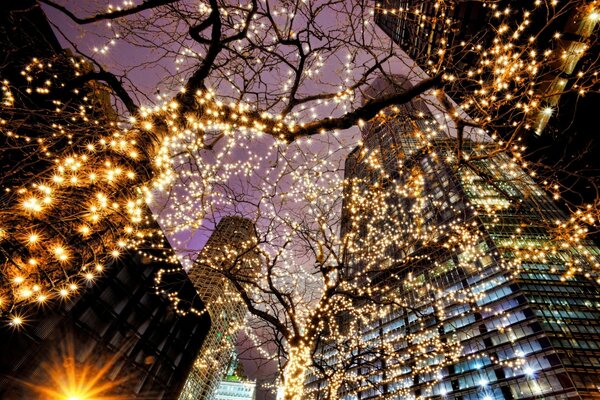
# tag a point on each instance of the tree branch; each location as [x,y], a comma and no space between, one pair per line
[196,81]
[365,112]
[265,316]
[110,14]
[113,82]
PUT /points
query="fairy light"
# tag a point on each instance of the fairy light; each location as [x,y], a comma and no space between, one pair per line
[16,321]
[96,179]
[193,157]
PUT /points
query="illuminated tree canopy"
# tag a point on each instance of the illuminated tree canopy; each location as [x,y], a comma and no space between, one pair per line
[202,109]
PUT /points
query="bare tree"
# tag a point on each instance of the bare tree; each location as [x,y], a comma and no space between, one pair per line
[253,115]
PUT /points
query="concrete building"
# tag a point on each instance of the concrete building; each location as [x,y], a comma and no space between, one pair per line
[229,249]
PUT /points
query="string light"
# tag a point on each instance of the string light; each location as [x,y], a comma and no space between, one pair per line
[100,174]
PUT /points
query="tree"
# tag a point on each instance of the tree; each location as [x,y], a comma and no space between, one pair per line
[259,98]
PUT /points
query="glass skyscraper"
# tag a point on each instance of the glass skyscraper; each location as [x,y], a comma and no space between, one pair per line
[523,305]
[423,28]
[449,36]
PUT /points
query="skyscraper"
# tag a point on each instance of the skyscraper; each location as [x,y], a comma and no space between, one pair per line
[230,249]
[527,317]
[458,32]
[104,331]
[423,28]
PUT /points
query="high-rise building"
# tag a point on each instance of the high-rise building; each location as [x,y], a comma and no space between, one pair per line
[456,31]
[560,136]
[423,28]
[528,317]
[118,337]
[230,249]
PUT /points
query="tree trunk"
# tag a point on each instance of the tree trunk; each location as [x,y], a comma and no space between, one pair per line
[295,371]
[334,384]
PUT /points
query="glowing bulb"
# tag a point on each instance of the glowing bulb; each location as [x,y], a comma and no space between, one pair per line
[32,204]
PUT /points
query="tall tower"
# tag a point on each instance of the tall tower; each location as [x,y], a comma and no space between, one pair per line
[452,36]
[529,322]
[107,334]
[423,28]
[229,250]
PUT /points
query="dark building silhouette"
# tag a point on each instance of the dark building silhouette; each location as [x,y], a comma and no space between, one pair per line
[24,34]
[120,323]
[114,336]
[423,28]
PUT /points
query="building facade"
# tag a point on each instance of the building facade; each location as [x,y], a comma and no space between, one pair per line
[235,390]
[117,337]
[451,36]
[423,28]
[523,303]
[106,332]
[229,249]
